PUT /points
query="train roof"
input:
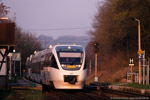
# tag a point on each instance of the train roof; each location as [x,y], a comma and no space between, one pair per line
[51,47]
[67,45]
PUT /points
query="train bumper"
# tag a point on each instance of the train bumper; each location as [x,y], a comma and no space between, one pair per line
[66,85]
[69,79]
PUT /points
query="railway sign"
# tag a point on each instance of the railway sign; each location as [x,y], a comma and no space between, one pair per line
[140,56]
[144,62]
[95,79]
[131,62]
[140,52]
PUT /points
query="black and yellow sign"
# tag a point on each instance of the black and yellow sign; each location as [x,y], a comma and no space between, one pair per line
[140,52]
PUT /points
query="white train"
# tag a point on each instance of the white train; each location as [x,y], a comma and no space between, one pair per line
[61,67]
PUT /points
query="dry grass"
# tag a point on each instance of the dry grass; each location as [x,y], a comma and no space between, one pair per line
[112,69]
[105,76]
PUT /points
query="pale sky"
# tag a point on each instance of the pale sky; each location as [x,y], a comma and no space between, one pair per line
[54,17]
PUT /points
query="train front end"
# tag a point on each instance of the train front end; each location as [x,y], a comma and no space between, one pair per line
[72,70]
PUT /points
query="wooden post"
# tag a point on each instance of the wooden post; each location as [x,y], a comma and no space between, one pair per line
[147,79]
[131,74]
[143,75]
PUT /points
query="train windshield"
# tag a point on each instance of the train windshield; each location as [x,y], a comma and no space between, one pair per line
[70,57]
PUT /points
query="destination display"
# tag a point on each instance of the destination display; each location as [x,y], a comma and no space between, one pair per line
[71,66]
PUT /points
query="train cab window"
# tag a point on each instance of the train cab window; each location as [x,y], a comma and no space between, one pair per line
[53,62]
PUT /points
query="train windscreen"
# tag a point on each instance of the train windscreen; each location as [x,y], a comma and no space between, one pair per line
[70,57]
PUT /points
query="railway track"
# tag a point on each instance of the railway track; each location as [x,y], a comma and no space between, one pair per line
[72,95]
[126,95]
[56,95]
[95,96]
[116,93]
[89,94]
[86,94]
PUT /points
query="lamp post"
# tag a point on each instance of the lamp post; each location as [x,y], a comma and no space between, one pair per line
[139,47]
[14,64]
[139,34]
[10,67]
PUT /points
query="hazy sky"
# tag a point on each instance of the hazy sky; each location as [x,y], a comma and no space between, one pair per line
[54,17]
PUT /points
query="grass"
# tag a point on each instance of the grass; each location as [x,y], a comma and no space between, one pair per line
[133,85]
[31,94]
[20,94]
[115,83]
[105,83]
[136,85]
[7,95]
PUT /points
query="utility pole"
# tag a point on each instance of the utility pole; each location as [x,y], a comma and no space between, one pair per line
[14,63]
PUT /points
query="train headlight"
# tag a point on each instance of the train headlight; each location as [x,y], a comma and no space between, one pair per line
[69,47]
[63,65]
[78,65]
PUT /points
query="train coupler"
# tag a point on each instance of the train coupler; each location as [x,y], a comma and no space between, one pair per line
[72,79]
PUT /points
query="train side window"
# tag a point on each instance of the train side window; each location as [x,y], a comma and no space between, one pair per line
[42,64]
[53,62]
[40,67]
[47,60]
